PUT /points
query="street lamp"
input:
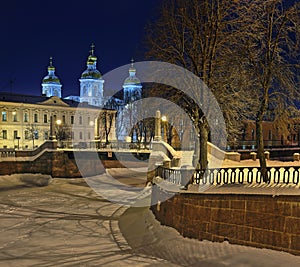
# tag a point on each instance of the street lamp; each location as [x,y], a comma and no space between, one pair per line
[58,133]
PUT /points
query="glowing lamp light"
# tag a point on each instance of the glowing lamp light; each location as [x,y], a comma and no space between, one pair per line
[164,118]
[58,122]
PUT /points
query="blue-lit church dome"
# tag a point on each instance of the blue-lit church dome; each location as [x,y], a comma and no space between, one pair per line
[91,82]
[91,72]
[132,86]
[132,79]
[51,77]
[51,85]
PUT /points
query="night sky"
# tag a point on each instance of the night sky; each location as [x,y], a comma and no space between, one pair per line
[32,31]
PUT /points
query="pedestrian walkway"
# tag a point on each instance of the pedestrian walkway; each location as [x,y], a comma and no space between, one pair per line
[62,224]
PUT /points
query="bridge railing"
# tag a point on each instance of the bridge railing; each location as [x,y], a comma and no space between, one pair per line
[241,175]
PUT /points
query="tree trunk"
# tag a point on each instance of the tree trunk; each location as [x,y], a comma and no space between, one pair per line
[203,162]
[260,149]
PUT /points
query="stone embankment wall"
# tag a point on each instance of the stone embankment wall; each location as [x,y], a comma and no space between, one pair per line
[59,163]
[54,163]
[255,220]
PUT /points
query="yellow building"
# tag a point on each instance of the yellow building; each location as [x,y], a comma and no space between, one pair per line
[28,121]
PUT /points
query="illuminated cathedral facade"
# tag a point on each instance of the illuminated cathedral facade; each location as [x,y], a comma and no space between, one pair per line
[92,93]
[92,85]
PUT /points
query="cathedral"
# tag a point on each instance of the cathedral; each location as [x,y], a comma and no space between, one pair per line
[92,92]
[27,121]
[92,85]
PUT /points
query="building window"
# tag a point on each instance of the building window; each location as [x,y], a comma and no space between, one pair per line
[14,114]
[45,118]
[72,119]
[26,117]
[72,135]
[4,116]
[4,134]
[89,135]
[35,118]
[64,119]
[15,134]
[80,135]
[80,120]
[26,134]
[36,134]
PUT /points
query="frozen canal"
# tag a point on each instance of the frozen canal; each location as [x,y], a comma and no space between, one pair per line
[66,224]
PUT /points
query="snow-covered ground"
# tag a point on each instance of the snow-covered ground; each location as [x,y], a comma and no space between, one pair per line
[65,223]
[145,235]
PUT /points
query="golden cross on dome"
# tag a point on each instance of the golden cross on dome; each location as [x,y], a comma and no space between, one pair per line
[92,49]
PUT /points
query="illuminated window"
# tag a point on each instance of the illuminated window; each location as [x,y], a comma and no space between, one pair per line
[4,116]
[14,114]
[36,134]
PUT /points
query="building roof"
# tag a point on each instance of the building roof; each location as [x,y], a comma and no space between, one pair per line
[43,100]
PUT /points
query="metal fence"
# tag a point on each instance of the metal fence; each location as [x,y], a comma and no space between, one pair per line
[243,175]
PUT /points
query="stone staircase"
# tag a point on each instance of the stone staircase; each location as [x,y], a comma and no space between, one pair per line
[186,158]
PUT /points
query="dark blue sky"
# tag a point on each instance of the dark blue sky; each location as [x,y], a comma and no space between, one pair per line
[32,31]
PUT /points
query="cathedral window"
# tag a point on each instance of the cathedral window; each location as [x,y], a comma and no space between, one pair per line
[84,91]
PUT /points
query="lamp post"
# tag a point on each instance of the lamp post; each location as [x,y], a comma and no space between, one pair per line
[58,132]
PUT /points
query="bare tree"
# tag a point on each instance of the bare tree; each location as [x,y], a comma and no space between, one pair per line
[107,119]
[33,132]
[200,35]
[269,48]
